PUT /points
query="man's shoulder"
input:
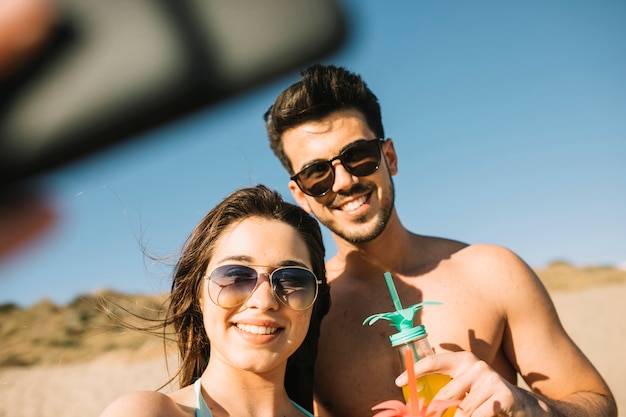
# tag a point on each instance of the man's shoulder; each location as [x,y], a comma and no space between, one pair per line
[488,255]
[451,246]
[494,268]
[444,251]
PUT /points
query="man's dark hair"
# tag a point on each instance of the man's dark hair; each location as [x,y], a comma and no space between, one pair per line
[322,91]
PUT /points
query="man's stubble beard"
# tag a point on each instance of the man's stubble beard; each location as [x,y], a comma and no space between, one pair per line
[387,204]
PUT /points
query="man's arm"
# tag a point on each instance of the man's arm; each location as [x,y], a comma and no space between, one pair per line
[563,381]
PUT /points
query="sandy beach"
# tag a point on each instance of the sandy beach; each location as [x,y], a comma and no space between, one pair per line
[593,317]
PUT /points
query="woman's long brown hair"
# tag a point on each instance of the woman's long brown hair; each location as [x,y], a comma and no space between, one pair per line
[184,316]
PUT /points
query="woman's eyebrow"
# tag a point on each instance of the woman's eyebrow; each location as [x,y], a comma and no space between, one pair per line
[250,261]
[291,262]
[239,258]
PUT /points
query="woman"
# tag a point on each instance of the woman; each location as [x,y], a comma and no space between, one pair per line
[247,300]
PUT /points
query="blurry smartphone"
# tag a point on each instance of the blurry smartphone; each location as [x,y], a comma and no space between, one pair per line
[114,68]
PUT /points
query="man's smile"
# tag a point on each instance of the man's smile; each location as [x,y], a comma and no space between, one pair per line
[354,204]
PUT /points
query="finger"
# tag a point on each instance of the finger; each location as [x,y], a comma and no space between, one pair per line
[22,221]
[471,402]
[428,365]
[450,363]
[488,408]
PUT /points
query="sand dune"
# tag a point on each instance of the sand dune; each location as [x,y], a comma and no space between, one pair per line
[76,389]
[593,317]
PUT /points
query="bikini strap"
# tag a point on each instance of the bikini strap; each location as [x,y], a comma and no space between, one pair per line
[304,410]
[202,410]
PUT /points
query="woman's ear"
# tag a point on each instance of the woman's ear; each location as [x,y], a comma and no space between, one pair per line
[201,294]
[299,196]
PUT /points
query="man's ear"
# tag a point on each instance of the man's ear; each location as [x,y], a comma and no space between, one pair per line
[389,152]
[299,196]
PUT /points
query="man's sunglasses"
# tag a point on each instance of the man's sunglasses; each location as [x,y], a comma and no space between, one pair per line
[231,285]
[360,158]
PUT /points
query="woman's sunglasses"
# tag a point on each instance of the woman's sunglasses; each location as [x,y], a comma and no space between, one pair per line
[231,285]
[360,158]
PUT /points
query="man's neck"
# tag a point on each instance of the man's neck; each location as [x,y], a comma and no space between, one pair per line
[388,250]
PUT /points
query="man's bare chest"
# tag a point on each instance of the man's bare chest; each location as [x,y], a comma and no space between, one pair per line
[460,320]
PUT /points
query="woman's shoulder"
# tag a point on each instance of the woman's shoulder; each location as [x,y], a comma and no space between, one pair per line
[147,404]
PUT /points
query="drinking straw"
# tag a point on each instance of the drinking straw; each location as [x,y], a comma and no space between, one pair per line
[413,401]
[392,290]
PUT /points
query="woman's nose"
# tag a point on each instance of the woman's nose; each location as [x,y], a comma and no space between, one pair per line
[263,296]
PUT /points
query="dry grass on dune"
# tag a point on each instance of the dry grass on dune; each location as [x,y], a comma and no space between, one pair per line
[561,276]
[47,334]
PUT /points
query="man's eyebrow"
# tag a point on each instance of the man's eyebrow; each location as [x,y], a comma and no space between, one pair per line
[355,142]
[349,145]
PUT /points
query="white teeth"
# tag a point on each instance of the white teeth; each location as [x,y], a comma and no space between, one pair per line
[353,205]
[250,328]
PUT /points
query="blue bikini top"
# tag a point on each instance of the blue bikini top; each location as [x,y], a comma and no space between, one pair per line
[202,410]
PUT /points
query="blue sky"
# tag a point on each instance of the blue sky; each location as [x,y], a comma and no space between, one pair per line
[509,119]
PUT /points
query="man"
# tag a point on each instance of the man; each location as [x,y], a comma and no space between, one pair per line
[496,321]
